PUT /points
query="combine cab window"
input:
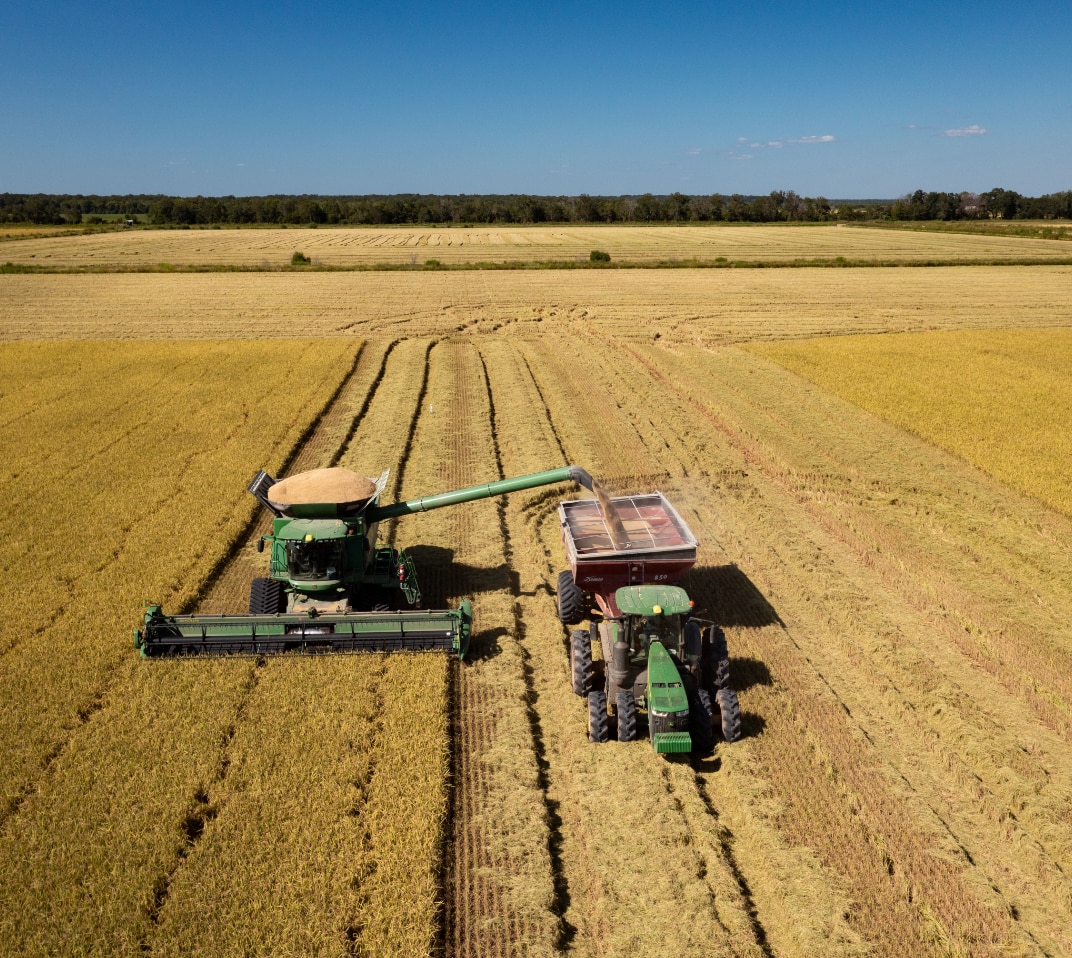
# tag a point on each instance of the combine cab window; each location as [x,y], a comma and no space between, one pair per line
[315,560]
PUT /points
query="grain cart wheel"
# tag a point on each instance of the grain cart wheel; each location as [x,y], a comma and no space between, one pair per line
[597,717]
[701,724]
[266,597]
[626,717]
[581,665]
[731,714]
[570,599]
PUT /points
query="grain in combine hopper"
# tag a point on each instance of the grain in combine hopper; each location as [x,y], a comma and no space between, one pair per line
[331,586]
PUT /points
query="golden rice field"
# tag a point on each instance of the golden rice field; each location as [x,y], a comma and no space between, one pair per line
[348,248]
[1000,399]
[897,607]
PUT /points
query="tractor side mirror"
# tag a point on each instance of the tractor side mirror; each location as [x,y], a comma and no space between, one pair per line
[260,544]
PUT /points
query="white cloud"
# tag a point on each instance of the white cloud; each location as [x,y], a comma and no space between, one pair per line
[973,130]
[695,151]
[779,144]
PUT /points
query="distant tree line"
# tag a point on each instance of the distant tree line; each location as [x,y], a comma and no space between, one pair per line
[418,209]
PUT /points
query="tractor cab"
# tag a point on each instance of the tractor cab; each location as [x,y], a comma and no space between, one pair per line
[653,613]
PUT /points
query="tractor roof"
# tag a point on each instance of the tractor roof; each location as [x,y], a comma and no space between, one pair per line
[643,599]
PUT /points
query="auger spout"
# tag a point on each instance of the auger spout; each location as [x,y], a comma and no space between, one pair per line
[483,491]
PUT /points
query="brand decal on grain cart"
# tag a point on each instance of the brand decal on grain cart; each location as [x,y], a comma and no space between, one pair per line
[331,587]
[660,663]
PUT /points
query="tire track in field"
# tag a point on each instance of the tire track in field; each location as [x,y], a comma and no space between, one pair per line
[498,875]
[560,881]
[613,801]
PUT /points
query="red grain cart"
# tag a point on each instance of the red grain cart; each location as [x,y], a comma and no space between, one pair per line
[658,548]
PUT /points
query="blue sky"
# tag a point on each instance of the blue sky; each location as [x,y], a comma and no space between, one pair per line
[844,100]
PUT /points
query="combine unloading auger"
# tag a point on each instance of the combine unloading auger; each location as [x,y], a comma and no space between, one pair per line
[331,587]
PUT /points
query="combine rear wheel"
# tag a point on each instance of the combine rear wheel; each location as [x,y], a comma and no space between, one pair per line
[570,599]
[581,666]
[700,723]
[626,717]
[266,597]
[731,714]
[597,717]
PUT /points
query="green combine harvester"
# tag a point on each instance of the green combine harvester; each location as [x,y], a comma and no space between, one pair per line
[331,587]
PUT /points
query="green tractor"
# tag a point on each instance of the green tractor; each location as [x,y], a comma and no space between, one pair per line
[660,665]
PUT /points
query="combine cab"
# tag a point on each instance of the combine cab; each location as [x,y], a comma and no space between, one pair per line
[331,587]
[660,665]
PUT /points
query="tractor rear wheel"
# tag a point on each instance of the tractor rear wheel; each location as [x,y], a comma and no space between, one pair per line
[716,660]
[597,717]
[570,599]
[701,724]
[266,597]
[581,665]
[731,714]
[626,717]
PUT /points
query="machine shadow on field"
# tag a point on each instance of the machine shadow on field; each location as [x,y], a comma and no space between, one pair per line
[728,597]
[443,579]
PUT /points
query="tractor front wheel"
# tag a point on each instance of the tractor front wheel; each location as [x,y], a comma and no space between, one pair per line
[731,714]
[626,717]
[700,723]
[597,717]
[581,665]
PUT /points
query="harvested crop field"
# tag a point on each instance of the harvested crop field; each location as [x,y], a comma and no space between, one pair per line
[349,248]
[898,620]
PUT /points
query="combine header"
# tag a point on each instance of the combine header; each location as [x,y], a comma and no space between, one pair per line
[659,662]
[330,586]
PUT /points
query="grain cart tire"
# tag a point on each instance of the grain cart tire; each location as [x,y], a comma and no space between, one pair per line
[626,717]
[701,723]
[731,714]
[598,723]
[266,597]
[570,599]
[581,666]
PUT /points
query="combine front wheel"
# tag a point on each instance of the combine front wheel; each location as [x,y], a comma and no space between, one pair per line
[597,717]
[266,597]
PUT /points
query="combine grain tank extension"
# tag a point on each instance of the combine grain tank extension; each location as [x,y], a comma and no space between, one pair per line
[331,586]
